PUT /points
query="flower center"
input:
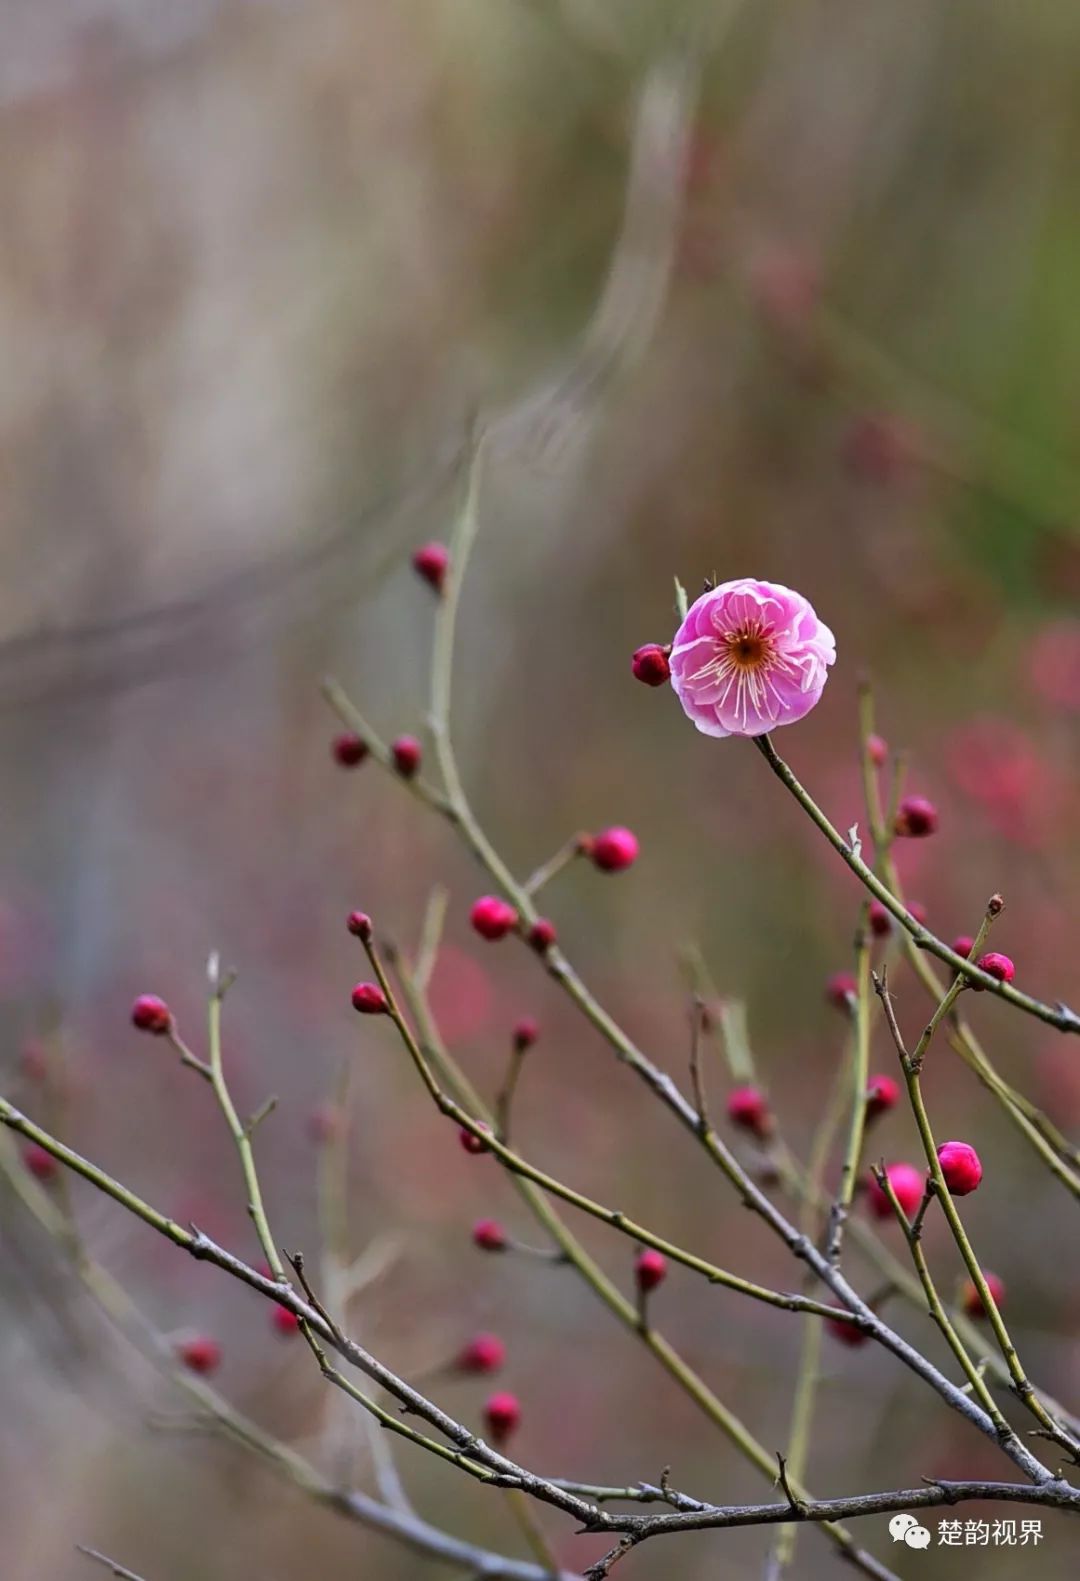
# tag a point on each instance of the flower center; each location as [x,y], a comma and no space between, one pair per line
[748,649]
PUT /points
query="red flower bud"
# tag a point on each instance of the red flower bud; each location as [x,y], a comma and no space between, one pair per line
[473,1143]
[526,1033]
[542,935]
[41,1164]
[151,1014]
[998,966]
[840,990]
[34,1060]
[650,664]
[972,1301]
[432,562]
[502,1413]
[359,924]
[483,1353]
[917,910]
[284,1321]
[201,1354]
[960,1166]
[406,752]
[370,1000]
[493,918]
[748,1108]
[963,943]
[349,749]
[324,1123]
[488,1234]
[846,1333]
[908,1184]
[882,1094]
[879,919]
[650,1269]
[916,817]
[612,850]
[877,750]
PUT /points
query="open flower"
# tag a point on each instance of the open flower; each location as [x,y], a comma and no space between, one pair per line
[750,656]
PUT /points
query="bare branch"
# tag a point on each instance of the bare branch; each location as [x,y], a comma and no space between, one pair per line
[1059,1015]
[108,1564]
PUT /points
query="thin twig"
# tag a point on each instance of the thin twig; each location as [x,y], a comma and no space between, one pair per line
[240,1133]
[622,1309]
[518,1165]
[911,1065]
[542,875]
[214,1411]
[913,1236]
[697,1080]
[805,1392]
[108,1564]
[1059,1016]
[479,1459]
[860,1077]
[1059,1155]
[659,1082]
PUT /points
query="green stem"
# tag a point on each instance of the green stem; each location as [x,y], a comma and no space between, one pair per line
[241,1137]
[913,1236]
[860,1065]
[871,784]
[554,865]
[17,1121]
[802,1411]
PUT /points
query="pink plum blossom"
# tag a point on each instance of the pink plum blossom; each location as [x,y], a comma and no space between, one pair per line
[750,656]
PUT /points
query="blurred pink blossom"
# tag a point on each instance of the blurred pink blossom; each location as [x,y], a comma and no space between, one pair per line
[461,995]
[996,763]
[748,657]
[785,285]
[881,448]
[1054,664]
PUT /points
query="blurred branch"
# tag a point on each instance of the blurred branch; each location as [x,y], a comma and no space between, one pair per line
[107,1563]
[978,453]
[121,1312]
[469,1452]
[561,411]
[860,1073]
[239,609]
[343,1277]
[806,1382]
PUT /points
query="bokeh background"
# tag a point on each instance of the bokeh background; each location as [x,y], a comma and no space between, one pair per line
[261,262]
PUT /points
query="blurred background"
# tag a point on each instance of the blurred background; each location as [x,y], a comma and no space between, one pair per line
[786,290]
